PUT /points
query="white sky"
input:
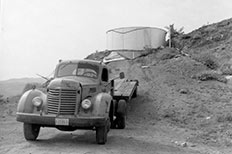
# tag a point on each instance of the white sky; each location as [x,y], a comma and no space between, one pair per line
[37,33]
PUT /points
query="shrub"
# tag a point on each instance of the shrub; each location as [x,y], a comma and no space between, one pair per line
[1,98]
[207,59]
[210,75]
[224,117]
[167,53]
[226,69]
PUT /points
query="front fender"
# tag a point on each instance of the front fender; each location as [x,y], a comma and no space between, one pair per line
[25,104]
[101,104]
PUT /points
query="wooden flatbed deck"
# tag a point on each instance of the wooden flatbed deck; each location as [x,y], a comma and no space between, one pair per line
[125,89]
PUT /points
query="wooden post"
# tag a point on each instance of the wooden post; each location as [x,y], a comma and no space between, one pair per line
[170,36]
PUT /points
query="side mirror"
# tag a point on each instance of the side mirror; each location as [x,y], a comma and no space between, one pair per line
[121,75]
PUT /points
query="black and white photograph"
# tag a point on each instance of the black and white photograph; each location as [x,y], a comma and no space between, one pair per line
[115,77]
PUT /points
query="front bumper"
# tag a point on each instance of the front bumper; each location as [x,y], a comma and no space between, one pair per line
[50,120]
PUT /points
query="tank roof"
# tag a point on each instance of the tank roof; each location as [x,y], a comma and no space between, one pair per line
[135,28]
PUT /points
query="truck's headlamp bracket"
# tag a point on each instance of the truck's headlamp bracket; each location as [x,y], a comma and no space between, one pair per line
[86,104]
[37,101]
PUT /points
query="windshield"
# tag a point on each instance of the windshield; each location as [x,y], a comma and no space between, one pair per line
[80,69]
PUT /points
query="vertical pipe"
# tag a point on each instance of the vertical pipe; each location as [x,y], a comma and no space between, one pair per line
[170,36]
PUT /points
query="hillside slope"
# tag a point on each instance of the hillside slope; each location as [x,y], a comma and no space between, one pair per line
[214,39]
[170,91]
[15,87]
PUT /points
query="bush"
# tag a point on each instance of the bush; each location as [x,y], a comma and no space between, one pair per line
[210,63]
[167,53]
[210,75]
[29,86]
[1,98]
[226,69]
[224,118]
[207,59]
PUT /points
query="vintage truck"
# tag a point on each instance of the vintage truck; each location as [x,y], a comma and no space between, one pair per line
[79,96]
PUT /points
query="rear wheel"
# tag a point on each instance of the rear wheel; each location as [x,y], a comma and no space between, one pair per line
[135,93]
[31,131]
[121,110]
[121,114]
[121,122]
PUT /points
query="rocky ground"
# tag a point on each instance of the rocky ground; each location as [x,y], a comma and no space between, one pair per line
[145,133]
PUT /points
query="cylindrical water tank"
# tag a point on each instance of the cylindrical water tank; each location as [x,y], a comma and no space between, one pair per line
[135,38]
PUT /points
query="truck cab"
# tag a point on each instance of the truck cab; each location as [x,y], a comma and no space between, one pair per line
[78,97]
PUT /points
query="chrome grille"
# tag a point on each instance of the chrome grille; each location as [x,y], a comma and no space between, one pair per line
[62,101]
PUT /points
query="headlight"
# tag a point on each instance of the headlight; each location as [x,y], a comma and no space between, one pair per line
[86,104]
[37,101]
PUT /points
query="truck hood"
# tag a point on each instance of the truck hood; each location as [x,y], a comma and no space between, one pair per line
[71,82]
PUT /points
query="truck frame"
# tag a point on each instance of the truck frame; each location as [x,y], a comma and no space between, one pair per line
[80,96]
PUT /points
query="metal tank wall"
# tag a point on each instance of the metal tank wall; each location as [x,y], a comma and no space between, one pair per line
[135,38]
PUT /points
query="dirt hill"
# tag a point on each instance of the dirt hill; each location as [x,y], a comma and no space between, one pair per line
[214,40]
[186,86]
[15,87]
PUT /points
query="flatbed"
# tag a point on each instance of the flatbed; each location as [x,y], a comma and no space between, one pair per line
[125,89]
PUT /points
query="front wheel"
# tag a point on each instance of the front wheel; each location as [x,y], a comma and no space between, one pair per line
[31,131]
[101,134]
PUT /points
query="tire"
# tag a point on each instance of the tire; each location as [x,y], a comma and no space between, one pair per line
[31,131]
[135,93]
[121,114]
[112,114]
[101,134]
[121,122]
[121,110]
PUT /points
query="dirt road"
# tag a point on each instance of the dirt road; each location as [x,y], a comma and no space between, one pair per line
[140,136]
[134,139]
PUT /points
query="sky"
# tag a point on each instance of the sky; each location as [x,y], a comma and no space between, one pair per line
[35,34]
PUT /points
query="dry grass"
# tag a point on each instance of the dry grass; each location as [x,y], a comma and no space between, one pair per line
[208,59]
[210,75]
